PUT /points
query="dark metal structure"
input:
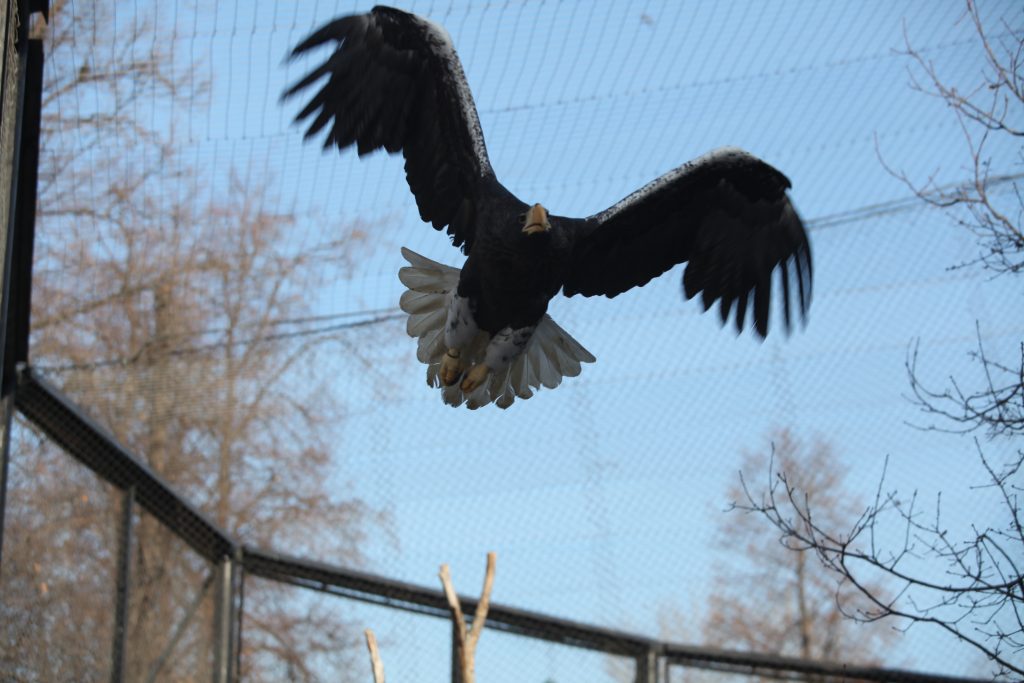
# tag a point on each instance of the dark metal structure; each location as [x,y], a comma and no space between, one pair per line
[93,446]
[57,416]
[21,87]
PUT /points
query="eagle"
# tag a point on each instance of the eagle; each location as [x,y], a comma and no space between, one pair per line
[394,81]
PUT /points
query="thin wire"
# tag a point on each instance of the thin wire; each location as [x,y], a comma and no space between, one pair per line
[385,315]
[203,348]
[862,213]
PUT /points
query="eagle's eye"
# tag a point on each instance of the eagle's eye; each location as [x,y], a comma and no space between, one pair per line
[522,218]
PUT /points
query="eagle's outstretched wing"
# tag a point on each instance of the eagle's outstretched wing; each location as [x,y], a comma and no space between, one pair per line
[726,214]
[394,81]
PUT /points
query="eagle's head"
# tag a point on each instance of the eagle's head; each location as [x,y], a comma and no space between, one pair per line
[535,220]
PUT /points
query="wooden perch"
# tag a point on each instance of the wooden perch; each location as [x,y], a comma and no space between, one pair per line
[378,666]
[465,642]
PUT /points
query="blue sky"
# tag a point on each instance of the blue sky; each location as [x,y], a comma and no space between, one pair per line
[601,497]
[617,478]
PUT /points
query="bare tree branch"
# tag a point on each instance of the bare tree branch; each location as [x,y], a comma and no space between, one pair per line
[466,640]
[997,407]
[980,597]
[375,661]
[991,108]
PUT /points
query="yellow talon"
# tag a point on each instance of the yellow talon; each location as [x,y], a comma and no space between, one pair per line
[476,376]
[451,367]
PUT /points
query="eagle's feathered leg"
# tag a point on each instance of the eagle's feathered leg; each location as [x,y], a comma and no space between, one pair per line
[503,348]
[550,355]
[459,330]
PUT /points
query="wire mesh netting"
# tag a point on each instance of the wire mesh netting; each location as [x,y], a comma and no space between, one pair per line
[60,563]
[325,642]
[222,298]
[170,608]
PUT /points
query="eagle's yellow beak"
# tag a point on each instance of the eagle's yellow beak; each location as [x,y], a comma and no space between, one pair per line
[536,220]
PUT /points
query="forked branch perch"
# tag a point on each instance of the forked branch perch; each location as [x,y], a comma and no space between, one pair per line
[465,639]
[375,662]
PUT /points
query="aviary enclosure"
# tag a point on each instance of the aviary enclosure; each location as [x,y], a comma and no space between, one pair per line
[222,461]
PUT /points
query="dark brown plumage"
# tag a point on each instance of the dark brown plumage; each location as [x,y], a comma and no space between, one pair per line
[393,81]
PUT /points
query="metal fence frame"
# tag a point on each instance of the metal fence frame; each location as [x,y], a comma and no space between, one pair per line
[56,415]
[76,433]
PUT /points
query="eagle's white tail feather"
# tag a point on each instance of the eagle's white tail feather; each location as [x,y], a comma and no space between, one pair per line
[420,261]
[420,302]
[422,280]
[421,323]
[519,380]
[429,346]
[550,355]
[452,395]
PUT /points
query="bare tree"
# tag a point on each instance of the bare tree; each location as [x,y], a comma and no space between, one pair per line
[971,588]
[172,322]
[57,541]
[974,590]
[765,598]
[779,601]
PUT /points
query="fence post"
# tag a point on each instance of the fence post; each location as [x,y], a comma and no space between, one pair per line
[126,539]
[226,615]
[13,58]
[647,667]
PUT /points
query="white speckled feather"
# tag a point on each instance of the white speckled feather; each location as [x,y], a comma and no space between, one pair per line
[420,302]
[550,354]
[443,47]
[419,324]
[639,195]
